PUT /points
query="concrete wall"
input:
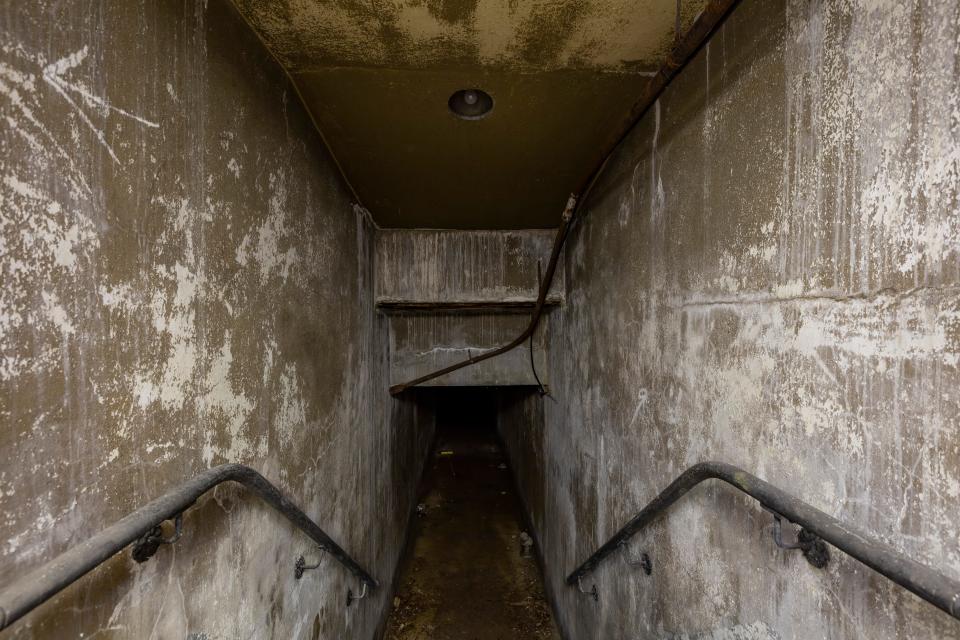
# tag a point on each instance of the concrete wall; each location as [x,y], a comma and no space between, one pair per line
[450,295]
[458,267]
[185,283]
[422,343]
[767,275]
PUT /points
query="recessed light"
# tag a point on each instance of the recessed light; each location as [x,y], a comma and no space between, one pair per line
[470,104]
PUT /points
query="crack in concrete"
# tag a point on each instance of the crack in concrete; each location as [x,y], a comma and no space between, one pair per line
[866,296]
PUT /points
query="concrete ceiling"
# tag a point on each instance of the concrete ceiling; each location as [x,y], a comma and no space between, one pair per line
[377,76]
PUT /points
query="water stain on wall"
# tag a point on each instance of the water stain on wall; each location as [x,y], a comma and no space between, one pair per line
[768,277]
[186,282]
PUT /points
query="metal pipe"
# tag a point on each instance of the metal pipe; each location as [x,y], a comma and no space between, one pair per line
[712,16]
[41,584]
[920,579]
[706,23]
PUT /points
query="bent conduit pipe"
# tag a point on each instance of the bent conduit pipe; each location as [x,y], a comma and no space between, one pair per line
[706,23]
[30,591]
[923,581]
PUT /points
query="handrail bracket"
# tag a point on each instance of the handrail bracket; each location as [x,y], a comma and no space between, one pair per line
[352,597]
[300,566]
[814,549]
[593,593]
[643,562]
[147,545]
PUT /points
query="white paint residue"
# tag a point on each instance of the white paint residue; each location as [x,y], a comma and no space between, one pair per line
[657,196]
[21,188]
[242,254]
[63,251]
[891,185]
[265,250]
[55,312]
[31,543]
[118,296]
[753,631]
[291,415]
[21,92]
[176,318]
[54,75]
[49,242]
[221,399]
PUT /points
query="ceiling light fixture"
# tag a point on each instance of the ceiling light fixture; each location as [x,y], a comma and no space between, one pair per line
[470,104]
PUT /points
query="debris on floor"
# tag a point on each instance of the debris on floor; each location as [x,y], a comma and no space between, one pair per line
[526,543]
[464,578]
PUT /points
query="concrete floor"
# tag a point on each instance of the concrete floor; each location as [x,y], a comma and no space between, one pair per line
[465,578]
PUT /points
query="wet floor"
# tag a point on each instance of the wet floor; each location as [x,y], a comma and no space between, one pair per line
[465,577]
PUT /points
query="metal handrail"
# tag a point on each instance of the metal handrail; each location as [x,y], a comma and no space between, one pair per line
[142,528]
[927,583]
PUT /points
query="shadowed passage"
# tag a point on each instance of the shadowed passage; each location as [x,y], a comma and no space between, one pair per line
[471,572]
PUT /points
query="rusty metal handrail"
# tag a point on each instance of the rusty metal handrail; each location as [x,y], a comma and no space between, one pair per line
[142,528]
[927,583]
[707,21]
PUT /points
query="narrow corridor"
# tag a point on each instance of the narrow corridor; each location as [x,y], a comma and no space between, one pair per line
[316,314]
[465,576]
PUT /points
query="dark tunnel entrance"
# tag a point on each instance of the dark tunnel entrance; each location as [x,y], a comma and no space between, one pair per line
[470,557]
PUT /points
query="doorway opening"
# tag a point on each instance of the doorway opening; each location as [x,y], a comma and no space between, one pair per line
[471,571]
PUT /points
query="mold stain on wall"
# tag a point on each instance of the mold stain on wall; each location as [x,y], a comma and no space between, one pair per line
[186,282]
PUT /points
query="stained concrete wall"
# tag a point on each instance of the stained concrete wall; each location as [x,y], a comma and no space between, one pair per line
[435,266]
[450,295]
[185,283]
[423,343]
[767,275]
